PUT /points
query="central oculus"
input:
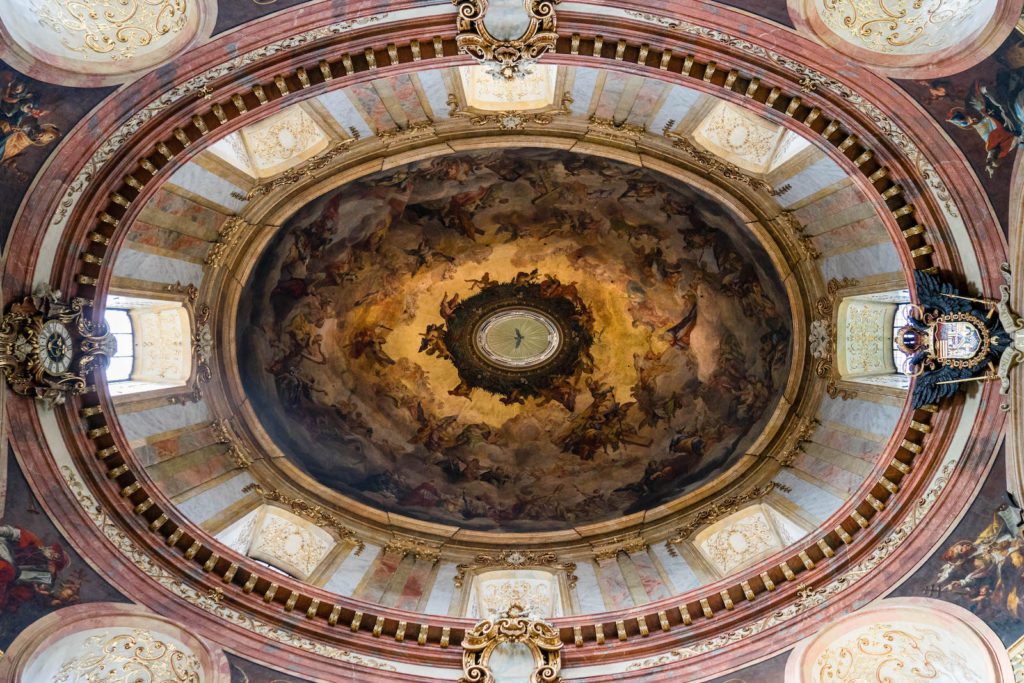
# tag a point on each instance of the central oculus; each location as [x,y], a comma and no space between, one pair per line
[529,337]
[518,338]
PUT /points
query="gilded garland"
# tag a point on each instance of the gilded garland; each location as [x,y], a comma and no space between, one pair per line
[519,630]
[48,347]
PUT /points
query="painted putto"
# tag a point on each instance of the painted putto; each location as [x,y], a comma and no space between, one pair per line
[346,358]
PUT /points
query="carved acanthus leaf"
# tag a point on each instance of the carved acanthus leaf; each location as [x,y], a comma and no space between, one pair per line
[621,544]
[403,546]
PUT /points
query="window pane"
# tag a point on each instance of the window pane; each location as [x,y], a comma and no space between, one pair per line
[120,325]
[124,345]
[900,358]
[118,321]
[119,369]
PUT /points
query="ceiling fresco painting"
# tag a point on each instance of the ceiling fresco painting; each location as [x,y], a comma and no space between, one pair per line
[688,339]
[34,116]
[584,341]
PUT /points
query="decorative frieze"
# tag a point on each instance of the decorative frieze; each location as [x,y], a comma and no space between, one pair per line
[314,513]
[516,559]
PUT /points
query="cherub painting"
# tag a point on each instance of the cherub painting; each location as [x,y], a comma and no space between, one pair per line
[21,125]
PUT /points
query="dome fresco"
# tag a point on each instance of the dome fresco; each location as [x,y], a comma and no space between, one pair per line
[686,322]
[600,372]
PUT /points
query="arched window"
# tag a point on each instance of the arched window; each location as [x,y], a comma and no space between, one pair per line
[120,325]
[866,348]
[154,347]
[900,357]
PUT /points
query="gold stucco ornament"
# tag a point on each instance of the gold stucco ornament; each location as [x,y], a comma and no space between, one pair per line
[507,639]
[48,347]
[511,39]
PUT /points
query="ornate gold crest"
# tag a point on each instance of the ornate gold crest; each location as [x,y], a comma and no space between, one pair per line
[514,630]
[48,347]
[497,47]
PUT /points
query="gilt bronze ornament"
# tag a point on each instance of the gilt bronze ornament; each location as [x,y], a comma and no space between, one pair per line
[48,347]
[953,339]
[515,629]
[494,42]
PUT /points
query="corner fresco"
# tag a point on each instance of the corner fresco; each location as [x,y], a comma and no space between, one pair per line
[982,111]
[244,671]
[980,566]
[689,354]
[34,117]
[39,572]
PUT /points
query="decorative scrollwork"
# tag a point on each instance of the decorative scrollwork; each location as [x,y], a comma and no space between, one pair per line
[720,509]
[131,657]
[615,130]
[716,164]
[294,175]
[314,513]
[610,548]
[48,347]
[805,428]
[117,29]
[222,432]
[412,132]
[822,338]
[514,626]
[202,343]
[516,559]
[508,58]
[795,230]
[510,120]
[412,546]
[227,236]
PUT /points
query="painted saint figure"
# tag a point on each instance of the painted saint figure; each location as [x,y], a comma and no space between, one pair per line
[28,567]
